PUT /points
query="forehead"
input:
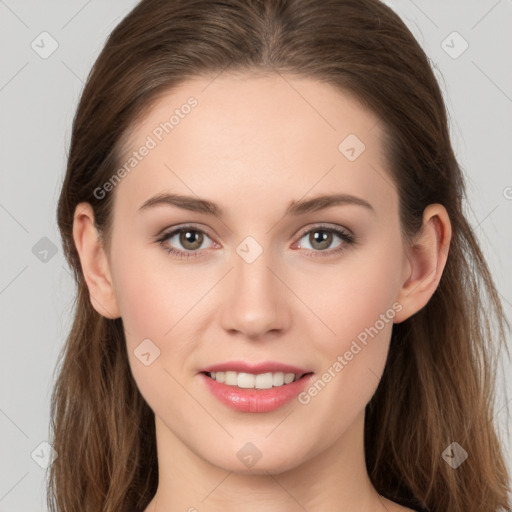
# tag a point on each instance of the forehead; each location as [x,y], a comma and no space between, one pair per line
[242,136]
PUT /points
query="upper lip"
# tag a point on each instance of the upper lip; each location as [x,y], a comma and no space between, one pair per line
[255,368]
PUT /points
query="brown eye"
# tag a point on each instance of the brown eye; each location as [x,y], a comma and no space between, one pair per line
[185,241]
[191,239]
[320,239]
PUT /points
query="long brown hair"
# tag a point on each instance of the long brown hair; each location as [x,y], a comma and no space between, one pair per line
[437,387]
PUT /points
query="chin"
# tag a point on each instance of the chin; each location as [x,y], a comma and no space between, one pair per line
[248,459]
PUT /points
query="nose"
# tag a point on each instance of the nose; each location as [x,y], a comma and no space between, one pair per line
[255,299]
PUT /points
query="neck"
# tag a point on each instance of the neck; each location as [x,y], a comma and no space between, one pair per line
[333,480]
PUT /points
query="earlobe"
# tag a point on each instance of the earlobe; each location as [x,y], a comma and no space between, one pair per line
[426,260]
[94,262]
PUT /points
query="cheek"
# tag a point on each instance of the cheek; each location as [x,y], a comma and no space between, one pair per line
[141,302]
[155,303]
[358,292]
[159,302]
[352,360]
[358,305]
[153,294]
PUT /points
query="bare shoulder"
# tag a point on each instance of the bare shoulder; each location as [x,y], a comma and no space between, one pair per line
[391,506]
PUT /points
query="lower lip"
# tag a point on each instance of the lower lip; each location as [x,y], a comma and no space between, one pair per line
[255,400]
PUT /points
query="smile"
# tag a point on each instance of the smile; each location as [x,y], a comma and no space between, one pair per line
[245,392]
[250,381]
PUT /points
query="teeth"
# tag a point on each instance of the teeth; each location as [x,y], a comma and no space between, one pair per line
[251,381]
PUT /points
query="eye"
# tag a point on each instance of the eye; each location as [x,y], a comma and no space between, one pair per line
[192,239]
[321,237]
[189,238]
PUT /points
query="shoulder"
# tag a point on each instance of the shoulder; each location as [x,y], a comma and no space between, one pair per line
[391,506]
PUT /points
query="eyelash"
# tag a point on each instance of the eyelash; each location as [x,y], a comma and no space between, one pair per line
[348,238]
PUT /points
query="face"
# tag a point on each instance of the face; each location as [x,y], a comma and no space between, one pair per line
[265,285]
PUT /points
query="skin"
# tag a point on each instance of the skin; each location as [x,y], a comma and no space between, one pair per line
[253,145]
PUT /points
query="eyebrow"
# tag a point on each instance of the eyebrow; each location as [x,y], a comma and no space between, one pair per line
[295,208]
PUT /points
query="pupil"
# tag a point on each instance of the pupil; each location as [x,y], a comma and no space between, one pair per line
[324,238]
[187,238]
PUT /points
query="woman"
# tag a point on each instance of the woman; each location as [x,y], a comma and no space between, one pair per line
[281,305]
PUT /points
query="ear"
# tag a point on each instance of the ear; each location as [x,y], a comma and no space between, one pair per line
[425,261]
[94,262]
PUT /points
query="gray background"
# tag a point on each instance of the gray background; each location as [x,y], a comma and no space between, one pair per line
[38,97]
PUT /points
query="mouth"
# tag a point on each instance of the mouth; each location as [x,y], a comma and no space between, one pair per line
[245,380]
[255,392]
